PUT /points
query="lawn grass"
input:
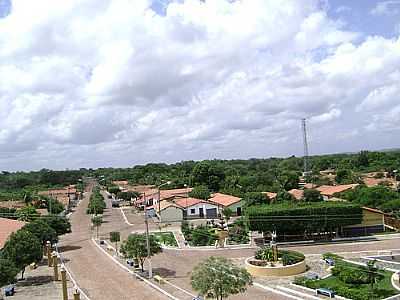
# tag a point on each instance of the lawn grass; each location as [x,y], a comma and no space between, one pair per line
[382,289]
[166,238]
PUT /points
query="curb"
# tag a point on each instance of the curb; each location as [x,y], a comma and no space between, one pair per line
[165,293]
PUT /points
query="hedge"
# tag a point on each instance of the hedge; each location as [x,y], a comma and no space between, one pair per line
[295,218]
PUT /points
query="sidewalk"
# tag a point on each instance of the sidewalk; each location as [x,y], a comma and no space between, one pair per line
[39,285]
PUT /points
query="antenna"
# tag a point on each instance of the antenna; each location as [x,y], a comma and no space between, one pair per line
[303,125]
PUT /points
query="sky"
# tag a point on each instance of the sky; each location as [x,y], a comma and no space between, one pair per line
[101,83]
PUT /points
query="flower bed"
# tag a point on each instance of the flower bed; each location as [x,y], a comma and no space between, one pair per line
[288,263]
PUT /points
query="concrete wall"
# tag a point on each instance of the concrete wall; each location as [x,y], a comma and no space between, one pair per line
[295,269]
[171,214]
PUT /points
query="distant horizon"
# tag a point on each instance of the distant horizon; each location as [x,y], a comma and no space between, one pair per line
[198,160]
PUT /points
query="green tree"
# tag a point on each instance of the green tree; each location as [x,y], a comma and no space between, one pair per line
[255,198]
[200,192]
[60,224]
[288,180]
[209,174]
[135,247]
[27,213]
[22,248]
[8,271]
[42,231]
[227,213]
[115,237]
[362,159]
[97,221]
[113,189]
[284,196]
[218,277]
[312,195]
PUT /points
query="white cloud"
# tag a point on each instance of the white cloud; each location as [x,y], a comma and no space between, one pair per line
[100,82]
[388,7]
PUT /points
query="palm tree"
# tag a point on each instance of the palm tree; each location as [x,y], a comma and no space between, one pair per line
[372,271]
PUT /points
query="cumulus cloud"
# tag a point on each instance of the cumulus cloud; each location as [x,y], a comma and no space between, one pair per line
[100,82]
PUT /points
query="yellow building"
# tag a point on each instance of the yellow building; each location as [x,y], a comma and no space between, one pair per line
[373,221]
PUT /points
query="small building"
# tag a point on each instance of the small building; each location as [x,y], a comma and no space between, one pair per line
[7,227]
[197,208]
[228,201]
[373,220]
[329,191]
[170,212]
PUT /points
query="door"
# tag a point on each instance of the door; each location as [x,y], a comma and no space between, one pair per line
[201,212]
[238,211]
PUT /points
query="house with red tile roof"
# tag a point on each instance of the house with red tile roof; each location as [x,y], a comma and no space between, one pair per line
[167,194]
[271,195]
[197,208]
[328,191]
[228,201]
[297,194]
[7,227]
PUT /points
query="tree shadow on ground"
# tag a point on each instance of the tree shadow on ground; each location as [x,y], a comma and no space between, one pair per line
[68,248]
[35,280]
[164,272]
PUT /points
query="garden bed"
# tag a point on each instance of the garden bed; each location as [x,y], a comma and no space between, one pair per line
[166,238]
[352,281]
[202,235]
[288,263]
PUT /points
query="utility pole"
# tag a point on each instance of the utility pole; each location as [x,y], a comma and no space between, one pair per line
[146,221]
[305,142]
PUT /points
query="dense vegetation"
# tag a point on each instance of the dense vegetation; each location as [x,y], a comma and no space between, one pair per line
[303,217]
[19,185]
[96,203]
[254,175]
[379,196]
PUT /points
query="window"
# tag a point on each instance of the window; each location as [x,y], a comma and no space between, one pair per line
[192,211]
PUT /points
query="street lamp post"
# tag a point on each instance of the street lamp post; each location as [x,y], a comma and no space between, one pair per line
[159,198]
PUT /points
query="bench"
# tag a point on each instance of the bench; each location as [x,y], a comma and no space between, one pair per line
[325,292]
[159,279]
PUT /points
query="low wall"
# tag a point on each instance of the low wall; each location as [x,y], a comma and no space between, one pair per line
[290,270]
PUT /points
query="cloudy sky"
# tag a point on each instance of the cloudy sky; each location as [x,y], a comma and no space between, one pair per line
[91,83]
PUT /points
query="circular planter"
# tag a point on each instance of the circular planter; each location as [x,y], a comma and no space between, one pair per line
[262,271]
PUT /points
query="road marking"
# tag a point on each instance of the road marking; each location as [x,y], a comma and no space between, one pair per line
[276,291]
[125,218]
[135,274]
[296,292]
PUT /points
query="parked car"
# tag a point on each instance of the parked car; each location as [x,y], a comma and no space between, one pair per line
[9,290]
[115,203]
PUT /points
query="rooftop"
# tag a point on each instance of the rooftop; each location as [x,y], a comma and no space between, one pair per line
[7,227]
[297,194]
[330,190]
[187,202]
[224,199]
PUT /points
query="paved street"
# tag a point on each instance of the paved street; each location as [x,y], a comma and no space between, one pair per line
[94,270]
[95,273]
